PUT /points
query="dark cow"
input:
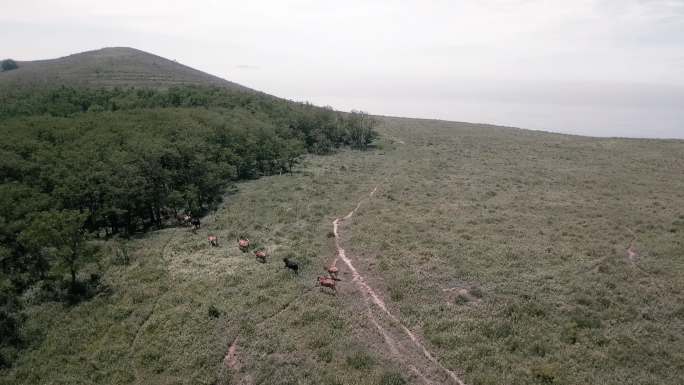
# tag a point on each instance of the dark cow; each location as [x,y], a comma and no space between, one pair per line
[292,265]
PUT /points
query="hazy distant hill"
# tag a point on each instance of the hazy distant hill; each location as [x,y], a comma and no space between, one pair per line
[109,67]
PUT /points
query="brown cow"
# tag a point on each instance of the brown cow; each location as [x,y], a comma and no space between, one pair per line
[327,282]
[261,255]
[213,240]
[243,244]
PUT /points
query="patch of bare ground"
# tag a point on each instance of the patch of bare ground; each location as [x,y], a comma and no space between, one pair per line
[396,140]
[231,359]
[632,253]
[460,295]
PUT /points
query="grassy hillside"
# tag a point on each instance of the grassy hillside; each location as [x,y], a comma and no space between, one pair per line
[516,257]
[110,67]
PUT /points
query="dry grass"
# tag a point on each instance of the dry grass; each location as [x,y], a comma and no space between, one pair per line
[529,229]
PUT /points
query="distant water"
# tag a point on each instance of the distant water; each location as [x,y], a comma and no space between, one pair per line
[648,121]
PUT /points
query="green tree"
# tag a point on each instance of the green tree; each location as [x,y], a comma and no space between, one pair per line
[360,129]
[8,65]
[292,153]
[11,319]
[60,235]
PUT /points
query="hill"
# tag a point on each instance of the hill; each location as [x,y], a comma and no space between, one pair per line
[110,67]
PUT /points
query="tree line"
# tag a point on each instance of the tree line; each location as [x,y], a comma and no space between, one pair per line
[77,163]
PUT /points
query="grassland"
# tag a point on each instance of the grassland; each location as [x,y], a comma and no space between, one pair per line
[110,67]
[504,250]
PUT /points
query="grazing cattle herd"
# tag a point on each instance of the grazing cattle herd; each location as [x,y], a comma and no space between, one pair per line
[261,254]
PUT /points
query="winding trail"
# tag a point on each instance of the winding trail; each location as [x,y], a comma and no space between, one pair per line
[400,350]
[230,360]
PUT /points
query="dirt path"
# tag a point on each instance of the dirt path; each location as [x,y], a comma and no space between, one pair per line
[404,345]
[396,140]
[230,360]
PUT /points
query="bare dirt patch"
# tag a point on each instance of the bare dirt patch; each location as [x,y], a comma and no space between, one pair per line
[632,253]
[231,358]
[460,293]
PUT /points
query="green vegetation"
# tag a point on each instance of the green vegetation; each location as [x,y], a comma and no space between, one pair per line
[507,250]
[516,257]
[81,163]
[58,237]
[533,225]
[392,378]
[8,65]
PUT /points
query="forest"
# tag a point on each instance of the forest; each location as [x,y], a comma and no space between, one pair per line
[79,164]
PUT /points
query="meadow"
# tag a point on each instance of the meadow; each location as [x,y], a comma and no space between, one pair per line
[514,256]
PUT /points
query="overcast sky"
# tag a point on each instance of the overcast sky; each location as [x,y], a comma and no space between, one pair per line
[596,67]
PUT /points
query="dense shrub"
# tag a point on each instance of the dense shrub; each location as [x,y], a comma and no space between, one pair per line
[392,378]
[360,360]
[8,65]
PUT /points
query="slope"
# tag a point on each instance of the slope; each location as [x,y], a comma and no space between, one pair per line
[511,256]
[110,67]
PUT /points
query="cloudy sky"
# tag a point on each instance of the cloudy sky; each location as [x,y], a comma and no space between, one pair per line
[595,67]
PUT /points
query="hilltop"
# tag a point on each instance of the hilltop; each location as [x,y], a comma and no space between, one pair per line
[110,67]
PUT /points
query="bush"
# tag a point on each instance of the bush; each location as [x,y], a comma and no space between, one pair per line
[326,355]
[360,360]
[8,65]
[392,378]
[213,312]
[96,108]
[396,294]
